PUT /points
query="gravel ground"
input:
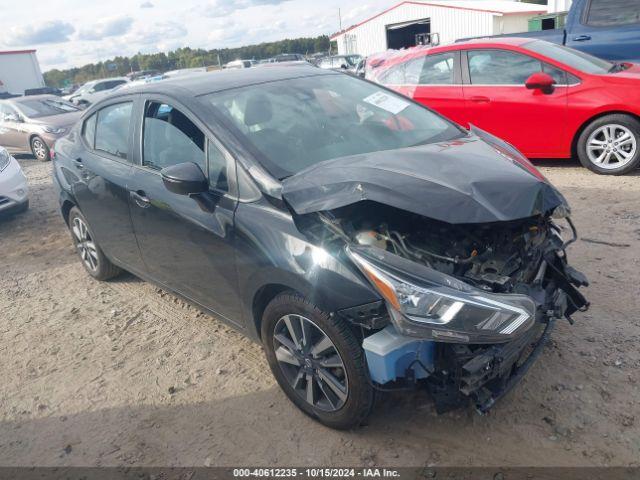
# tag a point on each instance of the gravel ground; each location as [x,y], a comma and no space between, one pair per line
[123,373]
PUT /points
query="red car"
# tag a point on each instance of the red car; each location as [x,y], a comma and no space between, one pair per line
[547,100]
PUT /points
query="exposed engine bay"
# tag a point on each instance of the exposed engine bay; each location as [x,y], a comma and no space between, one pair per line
[516,261]
[493,257]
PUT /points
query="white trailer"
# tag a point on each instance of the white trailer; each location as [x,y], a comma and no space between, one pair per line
[19,70]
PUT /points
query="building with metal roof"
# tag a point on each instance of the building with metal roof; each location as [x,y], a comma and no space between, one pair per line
[419,22]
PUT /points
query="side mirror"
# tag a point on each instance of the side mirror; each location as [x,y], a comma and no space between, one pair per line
[344,66]
[541,81]
[184,179]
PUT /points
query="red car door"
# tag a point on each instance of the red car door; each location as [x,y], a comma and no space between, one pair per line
[433,80]
[497,101]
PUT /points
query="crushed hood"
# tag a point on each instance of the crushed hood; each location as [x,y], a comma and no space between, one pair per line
[475,179]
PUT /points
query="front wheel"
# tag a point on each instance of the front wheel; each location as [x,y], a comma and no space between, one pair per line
[610,145]
[39,149]
[317,361]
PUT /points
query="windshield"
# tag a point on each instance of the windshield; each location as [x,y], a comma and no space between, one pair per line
[570,57]
[293,124]
[46,107]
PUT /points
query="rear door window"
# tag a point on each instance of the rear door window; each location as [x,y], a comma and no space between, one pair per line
[437,69]
[113,84]
[608,13]
[112,129]
[500,67]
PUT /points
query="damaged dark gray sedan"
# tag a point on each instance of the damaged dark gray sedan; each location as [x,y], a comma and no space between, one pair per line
[368,243]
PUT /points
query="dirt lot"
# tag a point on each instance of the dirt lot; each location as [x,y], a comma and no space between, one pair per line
[122,373]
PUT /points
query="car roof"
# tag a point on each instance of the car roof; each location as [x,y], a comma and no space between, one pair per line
[420,50]
[511,41]
[217,81]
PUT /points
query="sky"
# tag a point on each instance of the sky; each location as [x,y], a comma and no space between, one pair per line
[72,33]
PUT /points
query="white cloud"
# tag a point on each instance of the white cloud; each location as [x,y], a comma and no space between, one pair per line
[223,8]
[55,31]
[107,27]
[159,31]
[168,25]
[146,5]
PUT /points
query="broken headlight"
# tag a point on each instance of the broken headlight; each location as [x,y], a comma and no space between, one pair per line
[447,314]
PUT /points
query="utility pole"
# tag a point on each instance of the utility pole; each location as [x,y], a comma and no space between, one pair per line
[339,20]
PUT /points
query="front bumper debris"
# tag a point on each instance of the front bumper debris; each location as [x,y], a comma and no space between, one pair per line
[485,374]
[490,376]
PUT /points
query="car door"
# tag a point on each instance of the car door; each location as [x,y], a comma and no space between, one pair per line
[608,29]
[497,100]
[439,85]
[187,243]
[433,80]
[103,169]
[13,134]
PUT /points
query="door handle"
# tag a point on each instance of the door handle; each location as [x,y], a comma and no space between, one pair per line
[480,99]
[140,198]
[582,38]
[79,163]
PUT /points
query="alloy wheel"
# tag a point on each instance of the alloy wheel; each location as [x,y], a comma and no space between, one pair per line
[611,146]
[39,149]
[84,244]
[310,362]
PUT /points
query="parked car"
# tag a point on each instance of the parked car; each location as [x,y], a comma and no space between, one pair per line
[142,74]
[33,124]
[238,64]
[43,91]
[66,91]
[184,71]
[547,100]
[367,242]
[95,90]
[340,62]
[289,57]
[609,29]
[13,186]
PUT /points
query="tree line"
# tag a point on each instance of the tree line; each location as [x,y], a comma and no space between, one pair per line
[182,58]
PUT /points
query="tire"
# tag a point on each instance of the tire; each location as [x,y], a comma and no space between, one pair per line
[599,142]
[347,369]
[39,149]
[93,259]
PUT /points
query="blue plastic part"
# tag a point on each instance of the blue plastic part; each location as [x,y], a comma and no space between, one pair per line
[390,354]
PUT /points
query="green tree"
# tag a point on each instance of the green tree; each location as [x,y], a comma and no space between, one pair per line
[183,58]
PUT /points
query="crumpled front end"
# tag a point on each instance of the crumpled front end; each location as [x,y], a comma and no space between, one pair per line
[466,308]
[464,243]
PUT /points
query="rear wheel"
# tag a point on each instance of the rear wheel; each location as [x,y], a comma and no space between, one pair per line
[317,361]
[39,149]
[610,145]
[92,257]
